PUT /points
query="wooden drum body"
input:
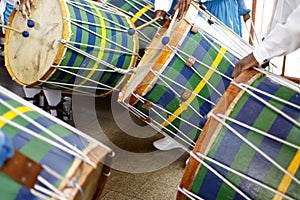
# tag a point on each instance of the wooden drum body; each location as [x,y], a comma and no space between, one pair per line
[59,161]
[249,148]
[176,85]
[74,44]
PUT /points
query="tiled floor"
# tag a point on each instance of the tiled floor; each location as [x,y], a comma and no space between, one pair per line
[139,171]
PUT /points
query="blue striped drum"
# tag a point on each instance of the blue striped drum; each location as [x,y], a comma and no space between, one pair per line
[76,45]
[250,146]
[177,83]
[72,164]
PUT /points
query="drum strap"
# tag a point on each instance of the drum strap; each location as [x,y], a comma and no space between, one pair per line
[22,169]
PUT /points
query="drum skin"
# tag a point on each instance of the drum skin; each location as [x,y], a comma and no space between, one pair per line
[72,44]
[221,144]
[89,178]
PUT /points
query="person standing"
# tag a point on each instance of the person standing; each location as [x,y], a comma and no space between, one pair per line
[282,38]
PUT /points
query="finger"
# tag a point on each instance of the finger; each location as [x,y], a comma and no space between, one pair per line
[28,9]
[181,10]
[23,11]
[236,71]
[32,4]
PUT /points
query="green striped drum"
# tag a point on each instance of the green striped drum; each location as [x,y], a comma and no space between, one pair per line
[176,85]
[57,147]
[74,44]
[249,148]
[140,12]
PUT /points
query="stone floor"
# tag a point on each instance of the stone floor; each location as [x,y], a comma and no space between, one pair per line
[139,171]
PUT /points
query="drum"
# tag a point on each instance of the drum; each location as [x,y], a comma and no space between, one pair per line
[52,159]
[249,148]
[73,44]
[140,12]
[179,81]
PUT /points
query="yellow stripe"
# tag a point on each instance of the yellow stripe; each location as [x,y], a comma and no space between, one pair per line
[12,114]
[202,83]
[102,44]
[286,180]
[140,13]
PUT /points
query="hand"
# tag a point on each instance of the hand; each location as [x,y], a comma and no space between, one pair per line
[245,63]
[160,14]
[183,6]
[25,7]
[246,17]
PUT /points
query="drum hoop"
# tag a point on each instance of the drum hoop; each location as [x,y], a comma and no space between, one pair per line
[12,15]
[208,136]
[88,171]
[162,61]
[59,56]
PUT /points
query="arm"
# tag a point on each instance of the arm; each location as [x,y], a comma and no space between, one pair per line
[183,6]
[283,39]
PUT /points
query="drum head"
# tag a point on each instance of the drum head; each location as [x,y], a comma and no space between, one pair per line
[29,59]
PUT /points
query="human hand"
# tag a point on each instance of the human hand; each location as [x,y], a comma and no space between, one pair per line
[246,17]
[245,63]
[160,14]
[182,6]
[25,7]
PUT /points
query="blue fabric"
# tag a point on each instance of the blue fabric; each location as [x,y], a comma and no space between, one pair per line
[226,11]
[243,9]
[7,12]
[6,148]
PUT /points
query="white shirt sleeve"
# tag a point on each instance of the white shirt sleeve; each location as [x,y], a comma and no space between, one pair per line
[164,5]
[282,40]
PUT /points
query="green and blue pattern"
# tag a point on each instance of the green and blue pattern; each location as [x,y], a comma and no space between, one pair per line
[231,151]
[40,151]
[191,114]
[140,12]
[102,35]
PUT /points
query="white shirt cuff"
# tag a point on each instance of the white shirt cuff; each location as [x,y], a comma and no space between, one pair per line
[261,55]
[164,5]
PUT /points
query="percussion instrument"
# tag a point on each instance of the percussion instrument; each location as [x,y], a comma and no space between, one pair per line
[249,148]
[140,12]
[179,81]
[52,159]
[72,44]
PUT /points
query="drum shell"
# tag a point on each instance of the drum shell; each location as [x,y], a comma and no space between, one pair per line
[90,179]
[88,41]
[165,89]
[219,143]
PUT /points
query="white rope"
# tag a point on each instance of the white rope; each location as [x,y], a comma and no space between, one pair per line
[56,193]
[256,149]
[172,125]
[259,131]
[102,49]
[10,94]
[183,87]
[189,194]
[41,137]
[50,133]
[220,177]
[267,104]
[228,168]
[87,79]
